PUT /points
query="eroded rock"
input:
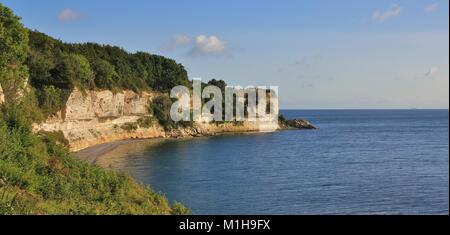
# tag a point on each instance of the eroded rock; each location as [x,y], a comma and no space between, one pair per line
[299,124]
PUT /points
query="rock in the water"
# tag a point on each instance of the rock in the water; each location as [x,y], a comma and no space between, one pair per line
[300,124]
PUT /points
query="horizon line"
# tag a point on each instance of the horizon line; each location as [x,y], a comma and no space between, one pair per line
[364,109]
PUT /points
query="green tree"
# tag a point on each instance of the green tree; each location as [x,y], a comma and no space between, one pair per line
[13,52]
[50,99]
[105,74]
[42,58]
[218,83]
[113,67]
[74,69]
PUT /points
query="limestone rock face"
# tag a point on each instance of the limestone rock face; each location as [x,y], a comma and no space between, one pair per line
[95,117]
[94,104]
[105,105]
[136,104]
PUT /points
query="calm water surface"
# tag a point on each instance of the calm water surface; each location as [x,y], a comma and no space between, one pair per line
[358,162]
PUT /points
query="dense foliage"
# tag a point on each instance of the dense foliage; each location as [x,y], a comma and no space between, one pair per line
[92,66]
[13,52]
[37,173]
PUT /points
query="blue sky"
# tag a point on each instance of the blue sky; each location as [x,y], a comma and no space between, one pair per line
[321,53]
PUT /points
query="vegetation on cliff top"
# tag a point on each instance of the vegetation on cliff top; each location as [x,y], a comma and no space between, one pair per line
[37,173]
[56,68]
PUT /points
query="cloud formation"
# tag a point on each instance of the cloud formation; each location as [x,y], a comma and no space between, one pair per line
[208,45]
[392,12]
[177,41]
[70,15]
[432,72]
[431,7]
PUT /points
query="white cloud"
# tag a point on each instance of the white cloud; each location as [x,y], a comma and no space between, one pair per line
[207,45]
[431,7]
[176,41]
[432,72]
[380,16]
[70,15]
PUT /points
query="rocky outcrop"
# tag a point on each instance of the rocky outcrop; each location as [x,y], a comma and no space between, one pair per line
[299,124]
[97,117]
[207,129]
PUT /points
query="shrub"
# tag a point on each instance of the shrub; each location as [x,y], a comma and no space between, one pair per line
[75,69]
[145,122]
[51,99]
[105,74]
[53,138]
[129,126]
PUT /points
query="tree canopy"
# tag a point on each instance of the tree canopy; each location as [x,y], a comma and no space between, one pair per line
[112,66]
[65,66]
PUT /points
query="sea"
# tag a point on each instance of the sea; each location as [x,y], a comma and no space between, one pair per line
[356,162]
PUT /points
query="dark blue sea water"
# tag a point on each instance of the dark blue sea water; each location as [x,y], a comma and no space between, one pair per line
[358,162]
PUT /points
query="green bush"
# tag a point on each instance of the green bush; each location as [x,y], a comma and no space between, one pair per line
[53,138]
[75,69]
[146,122]
[51,99]
[105,74]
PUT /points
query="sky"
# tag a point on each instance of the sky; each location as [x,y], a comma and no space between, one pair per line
[322,54]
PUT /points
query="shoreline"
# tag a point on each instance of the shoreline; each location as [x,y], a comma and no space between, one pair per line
[93,153]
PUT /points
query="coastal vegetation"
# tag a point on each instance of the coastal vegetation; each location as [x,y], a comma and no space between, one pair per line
[38,175]
[56,68]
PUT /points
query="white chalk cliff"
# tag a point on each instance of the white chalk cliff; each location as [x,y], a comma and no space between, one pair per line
[96,117]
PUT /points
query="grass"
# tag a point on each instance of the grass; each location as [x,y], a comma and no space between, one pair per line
[39,176]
